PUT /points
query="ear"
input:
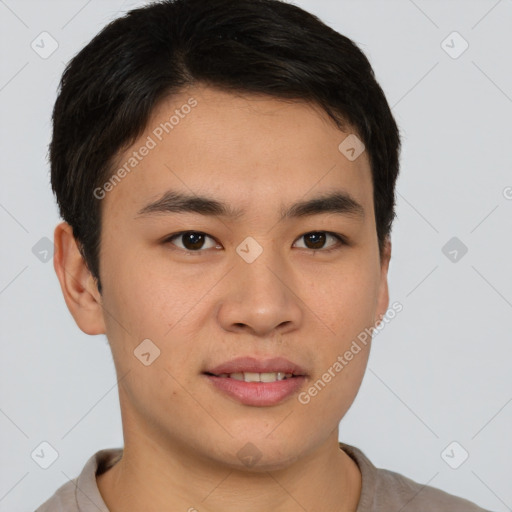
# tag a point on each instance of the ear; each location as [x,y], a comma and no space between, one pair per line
[383,293]
[77,283]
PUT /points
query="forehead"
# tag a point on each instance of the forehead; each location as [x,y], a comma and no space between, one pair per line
[249,151]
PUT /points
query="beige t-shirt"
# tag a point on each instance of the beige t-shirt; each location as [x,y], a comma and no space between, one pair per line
[381,490]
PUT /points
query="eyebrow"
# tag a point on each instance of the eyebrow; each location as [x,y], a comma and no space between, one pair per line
[337,202]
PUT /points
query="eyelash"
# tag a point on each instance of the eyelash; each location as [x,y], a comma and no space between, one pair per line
[342,241]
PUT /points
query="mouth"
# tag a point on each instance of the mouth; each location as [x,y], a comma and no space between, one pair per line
[255,376]
[255,382]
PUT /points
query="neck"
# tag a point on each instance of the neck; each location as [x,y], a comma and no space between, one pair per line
[153,477]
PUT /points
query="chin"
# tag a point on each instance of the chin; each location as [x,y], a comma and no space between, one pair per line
[256,453]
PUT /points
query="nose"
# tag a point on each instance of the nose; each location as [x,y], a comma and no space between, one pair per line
[261,298]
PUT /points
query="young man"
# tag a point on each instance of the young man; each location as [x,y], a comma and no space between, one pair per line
[226,173]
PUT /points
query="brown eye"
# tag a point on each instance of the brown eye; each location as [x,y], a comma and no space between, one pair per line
[316,240]
[191,240]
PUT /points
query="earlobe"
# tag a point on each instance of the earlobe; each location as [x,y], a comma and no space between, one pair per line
[77,284]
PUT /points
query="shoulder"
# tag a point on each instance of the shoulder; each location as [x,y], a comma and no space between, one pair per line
[82,494]
[396,490]
[382,489]
[63,500]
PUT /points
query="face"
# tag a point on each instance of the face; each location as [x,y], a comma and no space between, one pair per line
[207,286]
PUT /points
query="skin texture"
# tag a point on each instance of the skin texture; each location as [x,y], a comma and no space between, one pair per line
[201,309]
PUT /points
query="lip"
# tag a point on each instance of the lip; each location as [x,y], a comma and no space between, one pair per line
[257,393]
[252,364]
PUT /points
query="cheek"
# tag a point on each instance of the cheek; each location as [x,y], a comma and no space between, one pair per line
[151,306]
[153,394]
[344,302]
[346,305]
[140,296]
[340,370]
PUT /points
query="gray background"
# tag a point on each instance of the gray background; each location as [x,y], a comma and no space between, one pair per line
[438,373]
